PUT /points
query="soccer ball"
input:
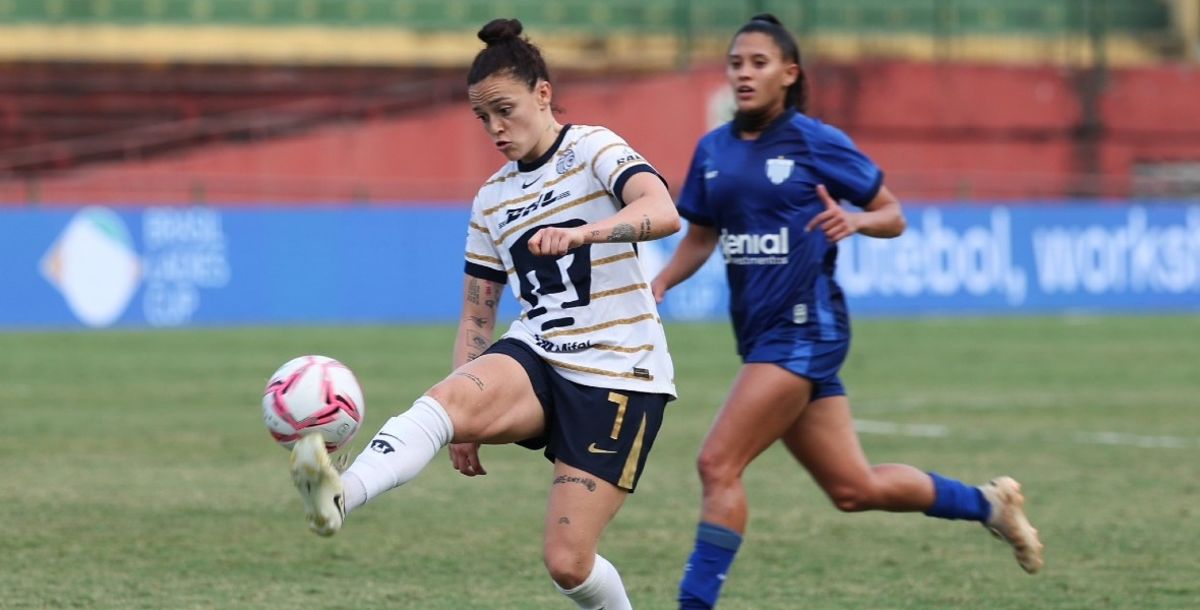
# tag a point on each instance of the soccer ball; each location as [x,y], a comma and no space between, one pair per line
[313,394]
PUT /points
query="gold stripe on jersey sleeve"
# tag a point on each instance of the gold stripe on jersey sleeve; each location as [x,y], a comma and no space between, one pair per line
[478,228]
[483,259]
[500,179]
[552,211]
[600,153]
[508,202]
[568,174]
[600,326]
[612,259]
[580,139]
[604,347]
[616,291]
[629,473]
[594,371]
[621,168]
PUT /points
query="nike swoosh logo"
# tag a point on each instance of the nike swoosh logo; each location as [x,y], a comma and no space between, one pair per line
[526,185]
[398,439]
[592,448]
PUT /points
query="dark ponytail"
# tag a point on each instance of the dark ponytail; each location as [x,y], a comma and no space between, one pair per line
[507,51]
[766,23]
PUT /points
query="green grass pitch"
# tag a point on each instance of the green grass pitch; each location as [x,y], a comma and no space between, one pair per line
[136,473]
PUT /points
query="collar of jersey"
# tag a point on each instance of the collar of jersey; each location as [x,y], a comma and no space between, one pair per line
[779,120]
[540,161]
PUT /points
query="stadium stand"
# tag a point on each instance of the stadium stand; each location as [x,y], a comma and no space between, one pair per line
[181,91]
[57,116]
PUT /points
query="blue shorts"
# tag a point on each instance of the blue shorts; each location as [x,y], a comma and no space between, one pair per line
[603,432]
[817,361]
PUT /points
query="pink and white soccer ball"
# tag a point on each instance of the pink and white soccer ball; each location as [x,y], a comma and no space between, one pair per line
[313,394]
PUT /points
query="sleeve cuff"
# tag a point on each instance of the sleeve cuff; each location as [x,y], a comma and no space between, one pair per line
[870,193]
[486,273]
[619,185]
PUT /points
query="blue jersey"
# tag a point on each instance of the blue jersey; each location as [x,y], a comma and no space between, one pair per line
[759,194]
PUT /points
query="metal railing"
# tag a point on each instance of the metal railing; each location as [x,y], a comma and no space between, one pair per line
[251,124]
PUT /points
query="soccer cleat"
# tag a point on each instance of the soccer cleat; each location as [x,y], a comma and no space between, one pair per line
[319,484]
[1008,522]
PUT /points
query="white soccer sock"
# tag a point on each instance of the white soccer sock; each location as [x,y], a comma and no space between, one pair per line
[399,451]
[602,589]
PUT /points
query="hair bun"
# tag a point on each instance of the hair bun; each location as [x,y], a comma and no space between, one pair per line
[498,31]
[767,17]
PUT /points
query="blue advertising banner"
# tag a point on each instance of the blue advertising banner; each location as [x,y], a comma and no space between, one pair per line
[1004,259]
[172,266]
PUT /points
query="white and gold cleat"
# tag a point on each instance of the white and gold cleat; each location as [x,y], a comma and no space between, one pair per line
[1009,523]
[319,484]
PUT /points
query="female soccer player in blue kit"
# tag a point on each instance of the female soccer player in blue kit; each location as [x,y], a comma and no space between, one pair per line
[765,187]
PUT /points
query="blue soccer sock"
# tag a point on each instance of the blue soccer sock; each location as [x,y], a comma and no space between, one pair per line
[957,500]
[706,568]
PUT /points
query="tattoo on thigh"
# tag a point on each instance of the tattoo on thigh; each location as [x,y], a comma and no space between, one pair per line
[478,381]
[586,482]
[564,521]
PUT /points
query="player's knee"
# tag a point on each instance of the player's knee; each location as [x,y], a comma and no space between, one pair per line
[567,567]
[852,497]
[715,469]
[453,397]
[445,392]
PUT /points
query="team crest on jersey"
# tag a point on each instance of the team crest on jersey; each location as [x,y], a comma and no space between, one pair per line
[779,170]
[565,162]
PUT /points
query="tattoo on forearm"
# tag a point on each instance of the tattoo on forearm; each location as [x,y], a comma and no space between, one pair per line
[622,232]
[477,340]
[644,232]
[478,381]
[491,296]
[564,521]
[586,482]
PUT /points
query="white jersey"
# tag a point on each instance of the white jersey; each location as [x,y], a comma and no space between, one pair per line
[590,312]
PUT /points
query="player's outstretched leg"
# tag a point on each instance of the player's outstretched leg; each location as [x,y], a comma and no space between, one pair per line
[319,484]
[1009,523]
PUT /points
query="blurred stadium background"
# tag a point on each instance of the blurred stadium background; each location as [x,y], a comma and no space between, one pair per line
[228,168]
[231,101]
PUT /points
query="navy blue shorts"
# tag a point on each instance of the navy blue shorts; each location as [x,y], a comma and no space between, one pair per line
[606,433]
[817,361]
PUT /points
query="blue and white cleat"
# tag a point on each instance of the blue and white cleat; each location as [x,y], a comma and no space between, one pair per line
[319,484]
[1008,522]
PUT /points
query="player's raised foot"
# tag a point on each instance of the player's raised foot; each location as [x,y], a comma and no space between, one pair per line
[319,484]
[1008,522]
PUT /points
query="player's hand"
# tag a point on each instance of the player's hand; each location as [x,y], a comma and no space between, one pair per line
[835,221]
[465,457]
[555,241]
[659,288]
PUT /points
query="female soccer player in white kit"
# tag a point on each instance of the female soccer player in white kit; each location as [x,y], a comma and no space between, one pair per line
[583,373]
